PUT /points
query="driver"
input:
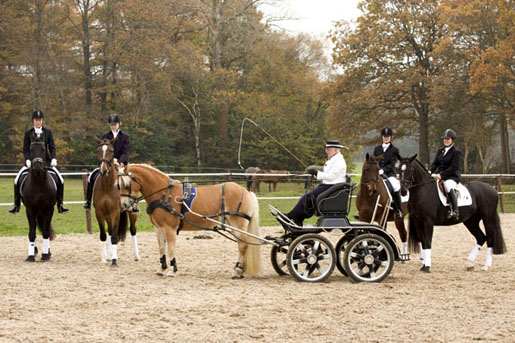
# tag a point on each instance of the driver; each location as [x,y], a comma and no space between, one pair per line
[50,159]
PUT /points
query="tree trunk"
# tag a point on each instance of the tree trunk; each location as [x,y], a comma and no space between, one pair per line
[505,145]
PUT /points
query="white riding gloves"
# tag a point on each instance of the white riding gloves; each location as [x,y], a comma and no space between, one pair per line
[53,163]
[27,163]
[381,172]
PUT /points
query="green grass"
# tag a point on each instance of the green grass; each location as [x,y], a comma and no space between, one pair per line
[75,220]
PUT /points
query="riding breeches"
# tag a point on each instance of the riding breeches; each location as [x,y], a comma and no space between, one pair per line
[25,170]
[449,184]
[396,184]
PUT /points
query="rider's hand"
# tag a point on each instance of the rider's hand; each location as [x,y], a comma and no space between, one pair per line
[313,172]
[436,176]
[381,172]
[53,163]
[28,163]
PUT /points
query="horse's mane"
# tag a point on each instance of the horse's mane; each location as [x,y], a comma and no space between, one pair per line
[423,168]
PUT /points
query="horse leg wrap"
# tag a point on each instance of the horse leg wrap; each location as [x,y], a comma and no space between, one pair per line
[32,248]
[173,264]
[163,262]
[238,267]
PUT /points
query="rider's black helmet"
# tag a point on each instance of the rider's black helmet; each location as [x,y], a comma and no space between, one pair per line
[449,133]
[38,114]
[114,118]
[386,132]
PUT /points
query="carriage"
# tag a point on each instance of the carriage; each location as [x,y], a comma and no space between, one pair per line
[366,252]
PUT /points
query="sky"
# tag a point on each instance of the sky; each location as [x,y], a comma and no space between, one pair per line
[315,17]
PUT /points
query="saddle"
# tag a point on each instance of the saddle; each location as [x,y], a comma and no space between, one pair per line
[462,193]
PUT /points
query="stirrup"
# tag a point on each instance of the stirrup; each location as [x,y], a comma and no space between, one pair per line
[87,205]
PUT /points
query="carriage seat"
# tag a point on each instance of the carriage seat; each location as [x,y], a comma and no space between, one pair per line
[333,202]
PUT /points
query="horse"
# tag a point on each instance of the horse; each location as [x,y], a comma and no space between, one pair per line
[271,178]
[426,210]
[372,186]
[106,200]
[39,192]
[251,185]
[227,203]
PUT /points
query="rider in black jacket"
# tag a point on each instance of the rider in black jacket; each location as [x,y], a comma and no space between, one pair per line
[50,160]
[387,164]
[446,166]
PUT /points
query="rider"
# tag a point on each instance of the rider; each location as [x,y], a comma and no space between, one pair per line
[50,159]
[121,153]
[387,164]
[334,172]
[446,166]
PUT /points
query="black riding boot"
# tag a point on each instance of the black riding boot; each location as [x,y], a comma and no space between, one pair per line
[453,212]
[60,196]
[17,200]
[397,204]
[89,190]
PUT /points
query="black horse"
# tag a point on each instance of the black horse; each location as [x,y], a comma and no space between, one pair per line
[38,192]
[426,210]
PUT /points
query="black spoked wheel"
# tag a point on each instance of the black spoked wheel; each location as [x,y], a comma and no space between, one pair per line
[311,258]
[278,259]
[340,253]
[369,258]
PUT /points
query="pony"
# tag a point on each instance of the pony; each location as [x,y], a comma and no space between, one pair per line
[106,200]
[38,192]
[211,208]
[372,186]
[426,210]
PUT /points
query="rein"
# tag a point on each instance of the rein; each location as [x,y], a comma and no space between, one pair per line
[409,184]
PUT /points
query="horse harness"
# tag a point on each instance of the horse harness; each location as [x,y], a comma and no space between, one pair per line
[186,197]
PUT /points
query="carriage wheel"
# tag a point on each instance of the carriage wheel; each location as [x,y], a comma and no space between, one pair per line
[340,252]
[368,257]
[311,258]
[278,259]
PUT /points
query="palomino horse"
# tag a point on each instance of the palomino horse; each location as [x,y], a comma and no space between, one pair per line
[38,192]
[106,199]
[227,203]
[426,210]
[373,186]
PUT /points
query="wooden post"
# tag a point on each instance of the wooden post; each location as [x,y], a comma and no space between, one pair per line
[88,211]
[499,189]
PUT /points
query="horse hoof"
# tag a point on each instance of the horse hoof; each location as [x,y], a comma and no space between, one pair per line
[485,268]
[237,277]
[114,263]
[470,266]
[136,258]
[160,272]
[425,269]
[45,257]
[170,273]
[30,259]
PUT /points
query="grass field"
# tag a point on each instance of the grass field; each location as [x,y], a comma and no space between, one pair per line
[75,220]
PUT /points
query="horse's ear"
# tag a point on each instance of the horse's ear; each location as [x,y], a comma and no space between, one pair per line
[412,158]
[114,139]
[99,141]
[367,157]
[379,157]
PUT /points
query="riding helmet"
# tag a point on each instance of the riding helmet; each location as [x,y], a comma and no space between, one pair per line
[38,114]
[449,133]
[386,132]
[114,118]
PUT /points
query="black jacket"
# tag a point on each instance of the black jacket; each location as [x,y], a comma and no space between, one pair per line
[387,163]
[448,166]
[121,146]
[49,144]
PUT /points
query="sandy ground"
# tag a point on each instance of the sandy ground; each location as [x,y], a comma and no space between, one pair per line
[75,298]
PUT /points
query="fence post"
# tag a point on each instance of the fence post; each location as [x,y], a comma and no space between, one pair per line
[88,211]
[499,189]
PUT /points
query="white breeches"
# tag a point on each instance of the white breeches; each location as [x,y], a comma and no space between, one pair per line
[24,168]
[396,184]
[449,184]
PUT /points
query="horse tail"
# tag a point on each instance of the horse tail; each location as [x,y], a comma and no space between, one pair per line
[122,226]
[413,236]
[40,221]
[252,259]
[499,246]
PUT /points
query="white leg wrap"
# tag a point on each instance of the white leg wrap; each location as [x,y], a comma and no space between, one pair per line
[135,249]
[474,252]
[427,257]
[46,245]
[422,253]
[32,248]
[103,251]
[109,246]
[488,262]
[404,250]
[114,253]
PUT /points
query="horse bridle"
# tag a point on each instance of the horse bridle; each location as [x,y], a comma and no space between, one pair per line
[372,179]
[38,159]
[409,183]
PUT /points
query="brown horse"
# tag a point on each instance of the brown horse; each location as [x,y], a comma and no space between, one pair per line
[227,203]
[272,177]
[372,186]
[106,200]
